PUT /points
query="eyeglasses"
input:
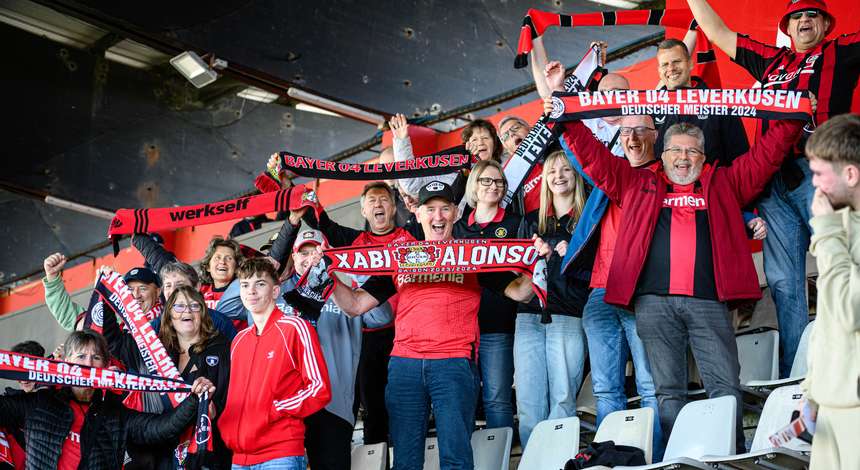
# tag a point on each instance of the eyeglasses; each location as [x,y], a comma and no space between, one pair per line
[487,181]
[510,132]
[182,308]
[811,14]
[689,151]
[640,130]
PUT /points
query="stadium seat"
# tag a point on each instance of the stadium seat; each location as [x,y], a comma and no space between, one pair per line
[758,354]
[629,428]
[775,416]
[798,366]
[704,427]
[369,457]
[491,448]
[431,454]
[552,443]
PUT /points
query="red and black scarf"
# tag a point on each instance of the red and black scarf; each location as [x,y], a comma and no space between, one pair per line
[537,21]
[758,103]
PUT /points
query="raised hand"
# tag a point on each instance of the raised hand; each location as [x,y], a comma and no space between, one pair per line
[274,163]
[399,126]
[54,265]
[821,205]
[603,47]
[554,73]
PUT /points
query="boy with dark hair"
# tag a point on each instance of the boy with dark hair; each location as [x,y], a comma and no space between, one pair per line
[277,379]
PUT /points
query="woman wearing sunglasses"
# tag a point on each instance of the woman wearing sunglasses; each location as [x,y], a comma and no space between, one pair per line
[198,350]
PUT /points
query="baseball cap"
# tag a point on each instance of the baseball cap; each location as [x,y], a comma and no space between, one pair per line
[310,236]
[803,5]
[143,275]
[435,189]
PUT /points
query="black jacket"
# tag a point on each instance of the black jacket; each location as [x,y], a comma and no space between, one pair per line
[566,295]
[725,137]
[46,417]
[497,313]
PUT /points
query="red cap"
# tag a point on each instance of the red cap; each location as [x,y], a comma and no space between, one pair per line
[803,5]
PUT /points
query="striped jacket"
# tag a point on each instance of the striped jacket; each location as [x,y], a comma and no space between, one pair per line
[277,379]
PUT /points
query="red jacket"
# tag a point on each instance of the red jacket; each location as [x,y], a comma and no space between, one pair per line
[276,380]
[640,193]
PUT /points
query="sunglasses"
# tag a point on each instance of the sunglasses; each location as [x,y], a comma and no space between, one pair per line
[811,14]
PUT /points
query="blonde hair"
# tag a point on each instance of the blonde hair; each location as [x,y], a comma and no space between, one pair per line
[472,183]
[546,196]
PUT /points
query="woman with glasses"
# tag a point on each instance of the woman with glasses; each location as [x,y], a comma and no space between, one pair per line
[197,349]
[485,189]
[549,357]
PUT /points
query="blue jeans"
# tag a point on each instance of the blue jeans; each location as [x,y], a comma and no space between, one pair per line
[451,387]
[496,361]
[548,363]
[667,324]
[283,463]
[611,333]
[787,215]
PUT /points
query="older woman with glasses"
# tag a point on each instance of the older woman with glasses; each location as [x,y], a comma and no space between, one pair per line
[197,349]
[485,189]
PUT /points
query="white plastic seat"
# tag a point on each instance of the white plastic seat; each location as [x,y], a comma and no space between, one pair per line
[552,443]
[491,448]
[431,454]
[758,354]
[704,427]
[798,366]
[369,457]
[629,428]
[775,416]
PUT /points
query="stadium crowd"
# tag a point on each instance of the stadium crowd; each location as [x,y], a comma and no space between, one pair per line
[644,223]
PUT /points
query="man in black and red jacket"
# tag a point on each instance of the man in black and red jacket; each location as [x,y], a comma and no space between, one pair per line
[830,70]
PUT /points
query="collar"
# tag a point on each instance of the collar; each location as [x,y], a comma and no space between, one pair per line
[273,317]
[500,214]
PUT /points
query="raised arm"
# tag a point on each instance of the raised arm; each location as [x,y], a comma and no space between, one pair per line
[714,27]
[58,300]
[402,146]
[538,64]
[353,302]
[152,252]
[149,428]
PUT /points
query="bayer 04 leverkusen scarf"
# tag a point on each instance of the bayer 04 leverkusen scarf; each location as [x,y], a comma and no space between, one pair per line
[466,256]
[755,103]
[537,21]
[445,161]
[533,148]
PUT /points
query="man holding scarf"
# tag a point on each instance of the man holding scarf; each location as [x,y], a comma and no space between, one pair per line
[435,344]
[830,70]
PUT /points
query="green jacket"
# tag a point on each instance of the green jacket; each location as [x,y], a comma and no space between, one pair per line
[60,303]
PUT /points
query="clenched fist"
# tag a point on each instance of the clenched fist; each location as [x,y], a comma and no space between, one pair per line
[53,265]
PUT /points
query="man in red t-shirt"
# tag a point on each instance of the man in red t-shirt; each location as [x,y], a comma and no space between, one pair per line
[828,69]
[435,342]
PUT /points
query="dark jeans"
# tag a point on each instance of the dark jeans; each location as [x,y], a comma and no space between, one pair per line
[328,441]
[667,325]
[451,387]
[372,377]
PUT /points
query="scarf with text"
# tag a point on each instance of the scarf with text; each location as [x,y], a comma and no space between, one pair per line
[536,22]
[130,221]
[5,449]
[16,366]
[94,315]
[118,300]
[466,256]
[756,103]
[532,149]
[445,161]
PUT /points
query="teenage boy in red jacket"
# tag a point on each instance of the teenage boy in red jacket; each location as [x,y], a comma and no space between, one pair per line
[277,378]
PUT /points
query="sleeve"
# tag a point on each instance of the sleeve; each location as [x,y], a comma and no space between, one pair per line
[283,244]
[337,234]
[574,162]
[379,317]
[121,344]
[154,254]
[849,49]
[754,56]
[838,275]
[13,409]
[734,139]
[380,287]
[402,153]
[315,391]
[751,172]
[222,324]
[150,428]
[608,172]
[230,303]
[60,303]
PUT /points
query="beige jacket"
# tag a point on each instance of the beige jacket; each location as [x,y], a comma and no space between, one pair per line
[833,378]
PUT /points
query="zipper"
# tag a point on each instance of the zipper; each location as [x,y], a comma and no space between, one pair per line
[247,387]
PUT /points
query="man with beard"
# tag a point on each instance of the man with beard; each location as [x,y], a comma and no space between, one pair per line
[686,254]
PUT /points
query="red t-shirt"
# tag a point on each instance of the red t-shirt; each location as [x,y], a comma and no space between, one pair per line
[70,456]
[531,188]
